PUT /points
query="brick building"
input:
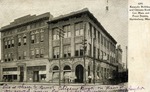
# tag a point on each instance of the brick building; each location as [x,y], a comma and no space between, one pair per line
[24,48]
[33,49]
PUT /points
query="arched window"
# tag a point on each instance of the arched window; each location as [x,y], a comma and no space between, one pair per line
[55,74]
[67,67]
[55,68]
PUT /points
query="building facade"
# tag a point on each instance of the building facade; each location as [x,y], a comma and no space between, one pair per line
[119,58]
[69,48]
[24,49]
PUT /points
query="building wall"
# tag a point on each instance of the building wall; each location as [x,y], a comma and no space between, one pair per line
[73,61]
[21,55]
[33,62]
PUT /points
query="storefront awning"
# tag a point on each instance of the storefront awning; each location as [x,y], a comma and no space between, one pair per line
[10,73]
[42,72]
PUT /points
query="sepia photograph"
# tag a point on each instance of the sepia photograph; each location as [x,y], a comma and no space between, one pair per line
[61,45]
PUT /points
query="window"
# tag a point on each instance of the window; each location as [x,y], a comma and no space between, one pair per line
[42,36]
[9,43]
[108,45]
[37,53]
[24,54]
[55,34]
[12,43]
[56,52]
[98,53]
[90,31]
[79,29]
[24,40]
[107,56]
[98,36]
[12,58]
[67,51]
[102,54]
[41,53]
[105,42]
[78,50]
[19,41]
[94,55]
[90,50]
[32,38]
[5,57]
[9,56]
[37,37]
[19,56]
[67,31]
[95,33]
[5,44]
[101,39]
[32,53]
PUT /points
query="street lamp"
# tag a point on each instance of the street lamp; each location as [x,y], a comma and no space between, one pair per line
[61,34]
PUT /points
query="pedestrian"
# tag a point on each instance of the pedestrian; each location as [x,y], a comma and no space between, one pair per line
[90,78]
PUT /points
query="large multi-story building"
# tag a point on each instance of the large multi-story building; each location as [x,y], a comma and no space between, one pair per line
[24,48]
[69,48]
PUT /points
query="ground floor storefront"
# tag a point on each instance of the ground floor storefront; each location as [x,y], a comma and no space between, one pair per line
[57,71]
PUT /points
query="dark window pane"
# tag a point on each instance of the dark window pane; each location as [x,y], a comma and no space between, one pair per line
[76,53]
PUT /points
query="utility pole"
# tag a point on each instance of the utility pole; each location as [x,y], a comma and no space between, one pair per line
[61,35]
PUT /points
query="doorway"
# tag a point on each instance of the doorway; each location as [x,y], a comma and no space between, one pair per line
[21,74]
[36,76]
[79,74]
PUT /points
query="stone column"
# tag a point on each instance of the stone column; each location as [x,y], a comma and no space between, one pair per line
[18,75]
[47,72]
[73,74]
[25,74]
[61,77]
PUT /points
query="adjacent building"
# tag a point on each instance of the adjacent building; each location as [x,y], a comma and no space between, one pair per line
[69,48]
[24,49]
[119,58]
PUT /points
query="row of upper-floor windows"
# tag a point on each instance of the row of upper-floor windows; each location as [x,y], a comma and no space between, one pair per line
[35,37]
[66,31]
[67,51]
[9,57]
[79,51]
[79,30]
[98,36]
[34,53]
[24,28]
[100,54]
[37,53]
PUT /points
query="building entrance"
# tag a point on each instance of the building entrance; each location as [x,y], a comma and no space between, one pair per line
[21,74]
[79,74]
[36,76]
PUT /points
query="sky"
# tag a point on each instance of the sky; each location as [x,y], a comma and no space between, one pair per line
[115,20]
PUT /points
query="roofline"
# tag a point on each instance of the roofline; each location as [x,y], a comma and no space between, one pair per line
[35,18]
[85,10]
